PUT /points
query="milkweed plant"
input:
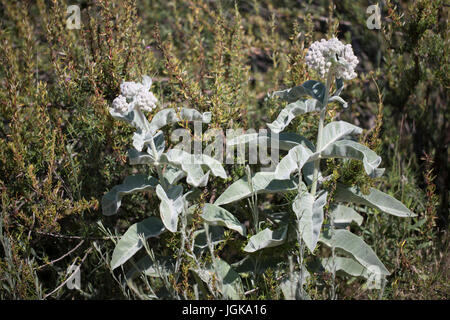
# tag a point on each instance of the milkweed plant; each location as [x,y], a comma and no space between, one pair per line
[177,177]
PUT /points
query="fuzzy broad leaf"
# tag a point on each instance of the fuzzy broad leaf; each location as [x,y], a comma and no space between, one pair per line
[140,139]
[266,239]
[192,165]
[293,161]
[263,182]
[315,89]
[231,283]
[292,286]
[134,117]
[136,157]
[130,243]
[145,265]
[173,175]
[171,205]
[167,116]
[343,215]
[254,265]
[217,216]
[300,155]
[135,183]
[139,142]
[309,212]
[335,131]
[284,140]
[311,88]
[291,111]
[339,87]
[375,199]
[354,245]
[349,266]
[349,149]
[216,234]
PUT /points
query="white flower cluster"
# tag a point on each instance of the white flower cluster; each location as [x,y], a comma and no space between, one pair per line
[135,95]
[324,54]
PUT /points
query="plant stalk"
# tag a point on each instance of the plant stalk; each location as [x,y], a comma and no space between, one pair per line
[323,113]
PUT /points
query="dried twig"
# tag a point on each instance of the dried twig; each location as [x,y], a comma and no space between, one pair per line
[62,257]
[69,278]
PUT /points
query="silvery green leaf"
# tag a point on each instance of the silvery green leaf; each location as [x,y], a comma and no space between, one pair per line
[137,157]
[171,206]
[192,166]
[134,117]
[291,287]
[335,131]
[160,144]
[173,175]
[349,149]
[135,183]
[217,216]
[375,199]
[146,82]
[263,182]
[145,265]
[309,212]
[253,265]
[194,172]
[354,245]
[195,175]
[315,89]
[293,161]
[343,215]
[130,242]
[216,234]
[292,94]
[347,265]
[212,164]
[340,100]
[308,173]
[339,87]
[285,140]
[231,281]
[291,111]
[266,239]
[312,88]
[288,140]
[231,284]
[167,116]
[141,139]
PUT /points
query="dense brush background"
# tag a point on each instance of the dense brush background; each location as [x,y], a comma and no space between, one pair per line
[60,150]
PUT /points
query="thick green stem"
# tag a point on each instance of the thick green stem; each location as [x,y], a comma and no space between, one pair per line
[154,151]
[320,133]
[333,257]
[158,165]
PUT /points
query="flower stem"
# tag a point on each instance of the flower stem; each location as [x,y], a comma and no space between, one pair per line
[323,113]
[153,147]
[157,164]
